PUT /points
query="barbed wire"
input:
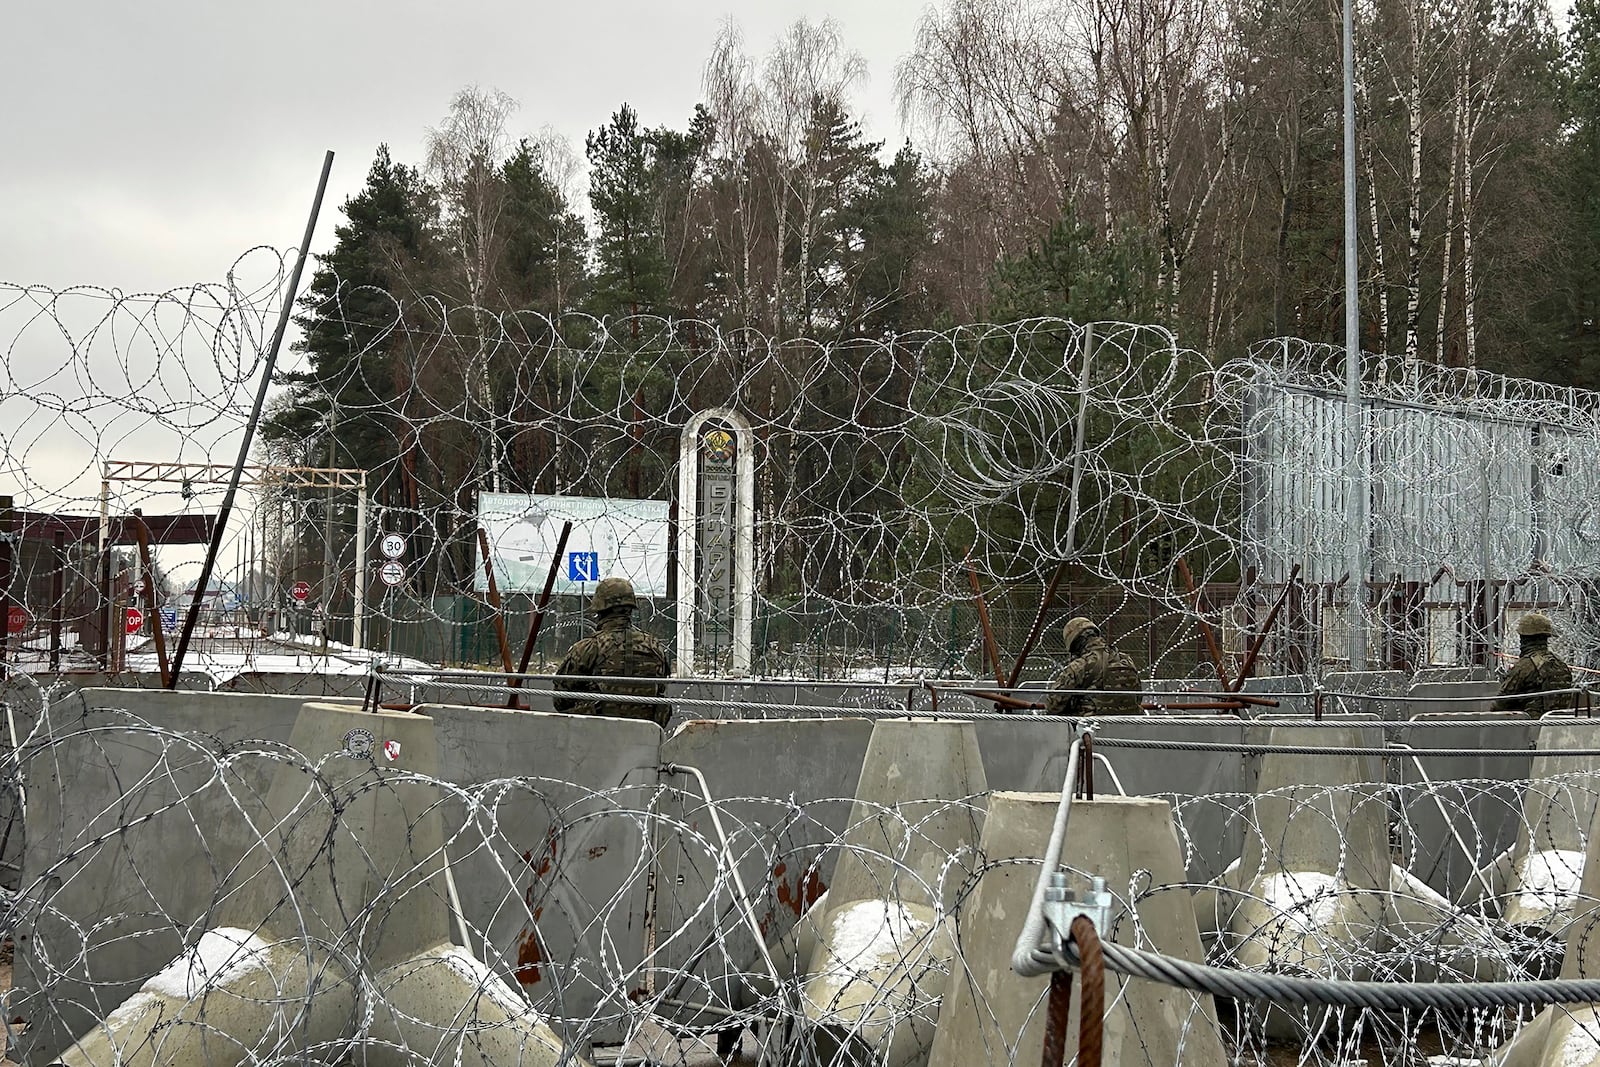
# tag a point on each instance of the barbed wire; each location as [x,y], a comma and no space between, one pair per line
[611,901]
[636,911]
[884,467]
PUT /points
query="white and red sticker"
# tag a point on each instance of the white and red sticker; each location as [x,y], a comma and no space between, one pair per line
[391,750]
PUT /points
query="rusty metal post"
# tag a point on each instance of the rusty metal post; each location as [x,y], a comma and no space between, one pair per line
[494,602]
[103,606]
[143,533]
[1205,627]
[536,620]
[119,635]
[1038,623]
[58,596]
[990,647]
[1249,664]
[1000,699]
[7,534]
[1204,705]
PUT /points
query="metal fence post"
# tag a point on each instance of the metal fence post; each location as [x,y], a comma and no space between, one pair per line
[7,536]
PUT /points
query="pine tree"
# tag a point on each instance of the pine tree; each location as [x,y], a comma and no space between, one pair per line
[349,315]
[1580,357]
[896,230]
[543,267]
[1072,274]
[834,183]
[630,274]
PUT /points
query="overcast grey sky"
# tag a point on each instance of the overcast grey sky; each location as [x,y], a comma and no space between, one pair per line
[147,143]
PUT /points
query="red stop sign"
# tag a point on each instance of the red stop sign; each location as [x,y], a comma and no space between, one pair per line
[17,619]
[135,621]
[301,591]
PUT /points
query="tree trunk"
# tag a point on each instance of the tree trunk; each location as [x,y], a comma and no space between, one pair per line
[807,225]
[1414,197]
[1280,282]
[1468,294]
[1380,279]
[779,318]
[1212,308]
[1169,240]
[1450,223]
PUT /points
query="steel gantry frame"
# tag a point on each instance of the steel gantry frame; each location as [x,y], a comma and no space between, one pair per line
[251,476]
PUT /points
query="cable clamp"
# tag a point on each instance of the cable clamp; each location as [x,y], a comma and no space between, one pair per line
[1062,905]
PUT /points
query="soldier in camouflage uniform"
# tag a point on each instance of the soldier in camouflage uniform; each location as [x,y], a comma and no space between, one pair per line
[1538,671]
[616,649]
[1094,665]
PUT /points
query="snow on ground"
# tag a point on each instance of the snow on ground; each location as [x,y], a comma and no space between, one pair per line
[224,656]
[895,674]
[1582,1044]
[1550,879]
[475,971]
[871,933]
[131,1009]
[69,641]
[1305,899]
[221,956]
[1403,881]
[801,670]
[277,654]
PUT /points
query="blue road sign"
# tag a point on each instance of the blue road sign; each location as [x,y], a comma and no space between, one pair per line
[583,566]
[169,618]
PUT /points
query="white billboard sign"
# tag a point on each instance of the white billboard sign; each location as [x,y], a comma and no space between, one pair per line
[609,539]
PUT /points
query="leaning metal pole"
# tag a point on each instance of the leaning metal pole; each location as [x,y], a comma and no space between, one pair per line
[1355,421]
[358,637]
[221,528]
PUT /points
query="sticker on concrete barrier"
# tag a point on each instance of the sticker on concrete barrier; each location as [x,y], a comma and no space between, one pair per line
[358,744]
[391,749]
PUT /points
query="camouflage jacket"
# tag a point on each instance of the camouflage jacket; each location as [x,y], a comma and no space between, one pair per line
[1098,667]
[616,649]
[1538,671]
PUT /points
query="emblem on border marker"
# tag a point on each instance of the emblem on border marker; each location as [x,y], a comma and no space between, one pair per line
[719,445]
[391,750]
[358,743]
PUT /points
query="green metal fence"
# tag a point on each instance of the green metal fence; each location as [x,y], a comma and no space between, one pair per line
[815,638]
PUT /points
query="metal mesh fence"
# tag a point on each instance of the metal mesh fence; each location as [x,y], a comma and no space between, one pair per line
[890,476]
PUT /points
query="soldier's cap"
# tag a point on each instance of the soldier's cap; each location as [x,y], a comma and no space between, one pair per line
[1076,629]
[613,593]
[1535,624]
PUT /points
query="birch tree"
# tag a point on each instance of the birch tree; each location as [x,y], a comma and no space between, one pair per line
[465,153]
[1022,93]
